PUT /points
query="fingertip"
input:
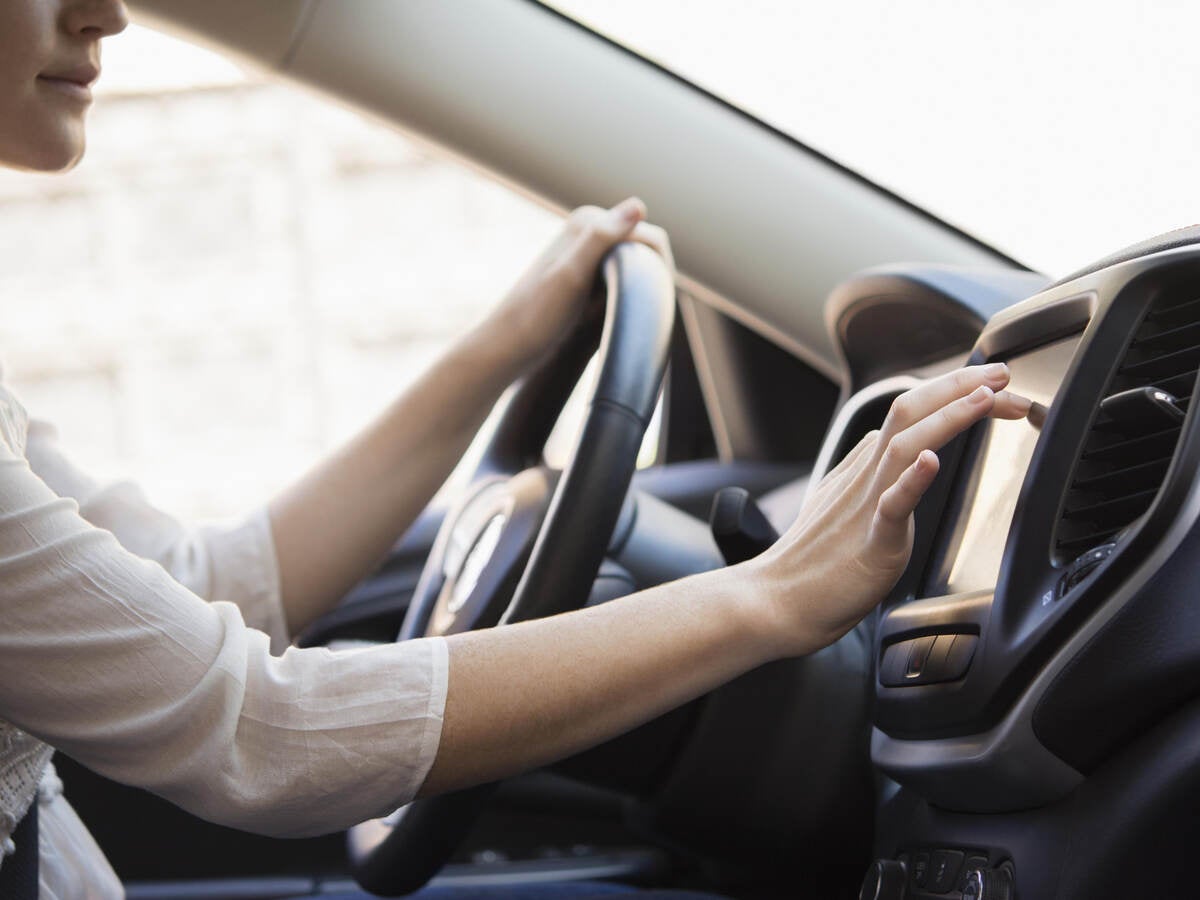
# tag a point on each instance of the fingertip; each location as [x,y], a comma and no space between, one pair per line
[1037,415]
[982,394]
[927,461]
[997,373]
[631,211]
[1012,406]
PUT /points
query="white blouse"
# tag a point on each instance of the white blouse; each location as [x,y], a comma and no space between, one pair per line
[109,654]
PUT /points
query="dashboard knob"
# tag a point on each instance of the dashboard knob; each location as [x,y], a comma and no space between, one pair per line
[989,884]
[885,880]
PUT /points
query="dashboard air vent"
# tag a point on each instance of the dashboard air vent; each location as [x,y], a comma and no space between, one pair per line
[1135,430]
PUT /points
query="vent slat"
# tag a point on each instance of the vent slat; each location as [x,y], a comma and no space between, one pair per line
[1141,474]
[1122,509]
[1167,365]
[1180,385]
[1155,444]
[1171,311]
[1171,338]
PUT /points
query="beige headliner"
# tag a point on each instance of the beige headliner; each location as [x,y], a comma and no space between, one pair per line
[570,119]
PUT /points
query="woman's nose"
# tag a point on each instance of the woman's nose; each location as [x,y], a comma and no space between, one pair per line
[95,18]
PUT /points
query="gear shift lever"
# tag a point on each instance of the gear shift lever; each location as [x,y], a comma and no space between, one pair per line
[739,526]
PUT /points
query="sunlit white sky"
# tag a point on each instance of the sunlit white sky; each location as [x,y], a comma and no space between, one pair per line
[1056,131]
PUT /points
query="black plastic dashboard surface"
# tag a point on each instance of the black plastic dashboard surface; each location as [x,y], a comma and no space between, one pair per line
[1026,620]
[1069,749]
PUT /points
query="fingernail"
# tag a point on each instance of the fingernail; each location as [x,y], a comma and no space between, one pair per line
[981,393]
[1024,404]
[995,370]
[631,210]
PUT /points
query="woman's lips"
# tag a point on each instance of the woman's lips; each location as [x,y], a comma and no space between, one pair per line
[76,85]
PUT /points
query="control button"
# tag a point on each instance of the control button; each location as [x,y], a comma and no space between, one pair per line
[935,666]
[927,660]
[920,869]
[973,885]
[1075,576]
[895,658]
[974,861]
[1099,555]
[1083,566]
[943,870]
[885,880]
[990,884]
[918,656]
[958,660]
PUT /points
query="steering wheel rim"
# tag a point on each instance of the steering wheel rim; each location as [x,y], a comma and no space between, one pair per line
[557,571]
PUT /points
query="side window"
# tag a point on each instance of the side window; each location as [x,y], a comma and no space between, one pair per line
[238,277]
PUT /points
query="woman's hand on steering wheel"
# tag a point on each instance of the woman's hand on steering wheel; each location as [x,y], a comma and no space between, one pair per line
[548,300]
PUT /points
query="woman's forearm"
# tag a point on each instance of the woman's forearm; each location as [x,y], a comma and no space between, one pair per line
[334,525]
[527,694]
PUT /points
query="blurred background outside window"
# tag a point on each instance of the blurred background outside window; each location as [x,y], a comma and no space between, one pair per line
[238,276]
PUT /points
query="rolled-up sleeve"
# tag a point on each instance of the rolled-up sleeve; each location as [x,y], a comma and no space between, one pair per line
[234,563]
[106,657]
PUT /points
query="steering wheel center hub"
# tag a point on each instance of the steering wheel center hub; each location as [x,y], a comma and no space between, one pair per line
[486,549]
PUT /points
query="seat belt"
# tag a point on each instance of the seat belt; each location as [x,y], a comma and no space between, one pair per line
[19,873]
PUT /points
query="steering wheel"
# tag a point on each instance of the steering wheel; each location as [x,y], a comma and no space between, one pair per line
[525,541]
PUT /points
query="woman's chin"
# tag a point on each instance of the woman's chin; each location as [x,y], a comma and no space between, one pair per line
[57,152]
[61,157]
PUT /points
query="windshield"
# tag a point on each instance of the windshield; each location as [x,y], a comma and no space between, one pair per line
[1056,132]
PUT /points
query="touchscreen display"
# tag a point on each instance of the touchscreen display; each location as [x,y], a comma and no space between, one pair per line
[978,519]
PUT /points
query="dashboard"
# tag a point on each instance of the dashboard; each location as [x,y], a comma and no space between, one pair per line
[1045,626]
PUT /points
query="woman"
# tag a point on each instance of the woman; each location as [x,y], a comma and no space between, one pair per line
[106,656]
